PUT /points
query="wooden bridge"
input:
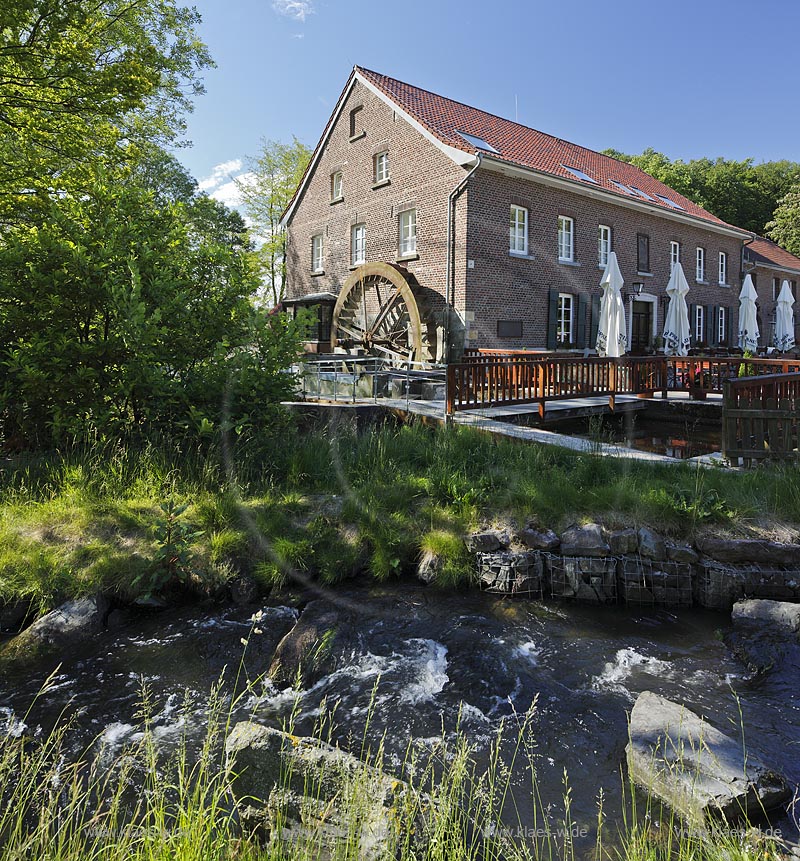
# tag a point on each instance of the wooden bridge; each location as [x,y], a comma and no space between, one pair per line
[761,418]
[496,379]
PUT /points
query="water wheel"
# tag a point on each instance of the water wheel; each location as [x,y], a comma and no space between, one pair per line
[377,312]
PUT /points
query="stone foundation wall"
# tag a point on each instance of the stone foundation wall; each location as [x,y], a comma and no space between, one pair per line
[590,565]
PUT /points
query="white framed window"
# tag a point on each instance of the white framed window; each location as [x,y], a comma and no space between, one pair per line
[566,238]
[722,329]
[358,244]
[316,253]
[565,323]
[518,231]
[699,323]
[382,167]
[674,254]
[408,232]
[603,244]
[700,268]
[723,268]
[337,186]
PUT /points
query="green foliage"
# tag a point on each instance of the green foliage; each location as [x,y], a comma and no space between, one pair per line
[272,179]
[745,368]
[120,313]
[174,539]
[739,192]
[784,228]
[85,83]
[457,566]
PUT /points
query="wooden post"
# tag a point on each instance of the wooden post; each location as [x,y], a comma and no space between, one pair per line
[612,383]
[450,389]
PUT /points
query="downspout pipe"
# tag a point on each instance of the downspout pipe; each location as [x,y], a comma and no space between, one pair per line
[750,241]
[450,286]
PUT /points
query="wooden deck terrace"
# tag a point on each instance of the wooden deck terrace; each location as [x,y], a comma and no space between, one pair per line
[498,380]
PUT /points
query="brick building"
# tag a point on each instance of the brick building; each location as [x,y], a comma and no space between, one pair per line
[500,231]
[770,265]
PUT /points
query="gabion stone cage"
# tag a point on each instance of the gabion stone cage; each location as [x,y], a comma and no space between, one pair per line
[588,580]
[644,581]
[510,573]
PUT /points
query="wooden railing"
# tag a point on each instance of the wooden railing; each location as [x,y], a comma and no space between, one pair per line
[504,379]
[760,418]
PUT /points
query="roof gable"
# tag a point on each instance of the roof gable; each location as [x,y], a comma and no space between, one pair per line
[528,148]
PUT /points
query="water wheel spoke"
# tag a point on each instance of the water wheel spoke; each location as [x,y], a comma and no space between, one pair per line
[387,308]
[353,331]
[377,312]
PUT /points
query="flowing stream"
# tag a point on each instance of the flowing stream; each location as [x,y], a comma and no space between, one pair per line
[424,660]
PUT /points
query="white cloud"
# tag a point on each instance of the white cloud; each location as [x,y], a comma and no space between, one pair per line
[297,9]
[220,173]
[229,192]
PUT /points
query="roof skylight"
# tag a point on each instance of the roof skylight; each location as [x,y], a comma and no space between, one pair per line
[622,187]
[478,143]
[669,202]
[640,193]
[575,171]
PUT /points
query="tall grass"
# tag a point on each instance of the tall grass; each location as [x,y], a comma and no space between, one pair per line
[143,804]
[85,519]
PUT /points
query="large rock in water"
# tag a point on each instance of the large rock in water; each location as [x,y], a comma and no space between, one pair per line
[693,767]
[780,617]
[766,636]
[60,628]
[308,793]
[313,647]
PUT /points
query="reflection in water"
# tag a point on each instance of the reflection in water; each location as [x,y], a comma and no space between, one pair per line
[681,440]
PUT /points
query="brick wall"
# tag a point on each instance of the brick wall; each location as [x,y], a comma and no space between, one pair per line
[421,177]
[490,284]
[764,280]
[502,287]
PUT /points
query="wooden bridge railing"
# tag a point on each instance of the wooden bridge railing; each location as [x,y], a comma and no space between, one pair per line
[504,379]
[760,418]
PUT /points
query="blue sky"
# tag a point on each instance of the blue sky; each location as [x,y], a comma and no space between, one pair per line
[690,78]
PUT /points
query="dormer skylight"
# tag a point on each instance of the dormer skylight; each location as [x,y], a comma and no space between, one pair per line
[577,172]
[670,202]
[478,143]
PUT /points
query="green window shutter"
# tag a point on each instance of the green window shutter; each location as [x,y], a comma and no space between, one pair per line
[581,328]
[711,318]
[595,322]
[692,318]
[552,319]
[714,340]
[729,326]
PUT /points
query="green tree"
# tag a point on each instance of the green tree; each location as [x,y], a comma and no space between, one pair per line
[120,312]
[272,179]
[82,81]
[738,192]
[785,226]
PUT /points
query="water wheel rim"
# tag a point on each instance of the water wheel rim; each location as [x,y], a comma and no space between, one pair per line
[398,295]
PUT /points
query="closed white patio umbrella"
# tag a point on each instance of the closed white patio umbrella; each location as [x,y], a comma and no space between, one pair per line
[612,333]
[676,326]
[784,319]
[748,323]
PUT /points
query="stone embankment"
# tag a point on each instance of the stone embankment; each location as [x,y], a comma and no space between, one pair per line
[594,565]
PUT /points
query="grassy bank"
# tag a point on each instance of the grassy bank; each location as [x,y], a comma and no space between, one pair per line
[329,506]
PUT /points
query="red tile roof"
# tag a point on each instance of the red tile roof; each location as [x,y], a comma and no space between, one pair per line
[766,253]
[526,147]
